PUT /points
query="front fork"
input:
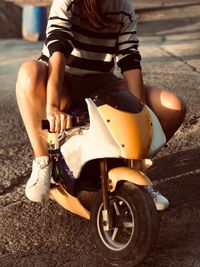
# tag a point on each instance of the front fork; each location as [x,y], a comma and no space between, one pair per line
[132,173]
[106,214]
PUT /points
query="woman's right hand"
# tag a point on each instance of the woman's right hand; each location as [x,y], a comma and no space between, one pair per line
[58,120]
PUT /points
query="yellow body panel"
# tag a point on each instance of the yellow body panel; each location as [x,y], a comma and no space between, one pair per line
[126,174]
[115,175]
[133,132]
[69,202]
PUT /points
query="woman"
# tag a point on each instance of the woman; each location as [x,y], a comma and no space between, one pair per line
[84,40]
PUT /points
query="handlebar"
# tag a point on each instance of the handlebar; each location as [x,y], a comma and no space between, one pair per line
[45,125]
[77,120]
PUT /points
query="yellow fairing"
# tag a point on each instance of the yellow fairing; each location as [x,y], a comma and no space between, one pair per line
[126,174]
[69,202]
[132,131]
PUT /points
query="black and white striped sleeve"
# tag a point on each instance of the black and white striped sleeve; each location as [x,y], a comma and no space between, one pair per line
[58,34]
[128,56]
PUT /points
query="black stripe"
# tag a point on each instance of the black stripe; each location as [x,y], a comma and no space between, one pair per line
[124,33]
[98,35]
[60,27]
[63,45]
[65,37]
[129,51]
[43,58]
[129,42]
[56,17]
[80,30]
[128,63]
[88,64]
[58,46]
[94,48]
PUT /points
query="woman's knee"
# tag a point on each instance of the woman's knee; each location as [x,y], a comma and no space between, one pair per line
[169,108]
[165,103]
[31,76]
[174,116]
[174,106]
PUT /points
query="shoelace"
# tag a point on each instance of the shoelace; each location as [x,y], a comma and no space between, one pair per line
[40,167]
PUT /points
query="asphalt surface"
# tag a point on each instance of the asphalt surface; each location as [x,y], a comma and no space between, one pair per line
[46,235]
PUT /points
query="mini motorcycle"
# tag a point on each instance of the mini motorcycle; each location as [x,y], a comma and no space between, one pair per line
[98,173]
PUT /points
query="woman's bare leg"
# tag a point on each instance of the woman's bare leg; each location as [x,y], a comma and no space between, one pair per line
[169,109]
[31,98]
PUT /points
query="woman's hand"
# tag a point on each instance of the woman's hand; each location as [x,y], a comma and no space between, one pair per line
[59,121]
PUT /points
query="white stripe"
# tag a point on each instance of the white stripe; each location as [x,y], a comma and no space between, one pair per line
[62,30]
[51,42]
[92,40]
[91,55]
[127,37]
[126,46]
[45,51]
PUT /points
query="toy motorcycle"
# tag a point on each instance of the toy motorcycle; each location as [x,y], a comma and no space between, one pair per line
[98,174]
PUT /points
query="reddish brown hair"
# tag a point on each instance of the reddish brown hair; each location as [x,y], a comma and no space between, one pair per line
[92,11]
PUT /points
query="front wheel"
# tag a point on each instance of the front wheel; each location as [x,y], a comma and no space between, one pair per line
[134,228]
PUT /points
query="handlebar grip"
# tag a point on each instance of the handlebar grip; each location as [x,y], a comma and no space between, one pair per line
[45,125]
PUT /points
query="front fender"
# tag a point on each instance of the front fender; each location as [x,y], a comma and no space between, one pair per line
[126,174]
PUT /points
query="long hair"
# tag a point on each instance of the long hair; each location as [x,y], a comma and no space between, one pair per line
[92,11]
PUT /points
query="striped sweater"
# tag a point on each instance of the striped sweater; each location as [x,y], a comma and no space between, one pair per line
[90,50]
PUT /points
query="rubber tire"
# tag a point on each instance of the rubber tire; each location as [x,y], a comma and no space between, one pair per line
[146,226]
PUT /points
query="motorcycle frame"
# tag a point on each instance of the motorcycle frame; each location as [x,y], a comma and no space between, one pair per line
[109,182]
[109,179]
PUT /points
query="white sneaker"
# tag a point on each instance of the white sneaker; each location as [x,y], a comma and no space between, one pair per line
[160,201]
[38,185]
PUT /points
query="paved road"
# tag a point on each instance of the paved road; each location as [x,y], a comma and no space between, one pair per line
[46,235]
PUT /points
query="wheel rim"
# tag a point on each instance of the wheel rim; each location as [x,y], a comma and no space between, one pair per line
[121,234]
